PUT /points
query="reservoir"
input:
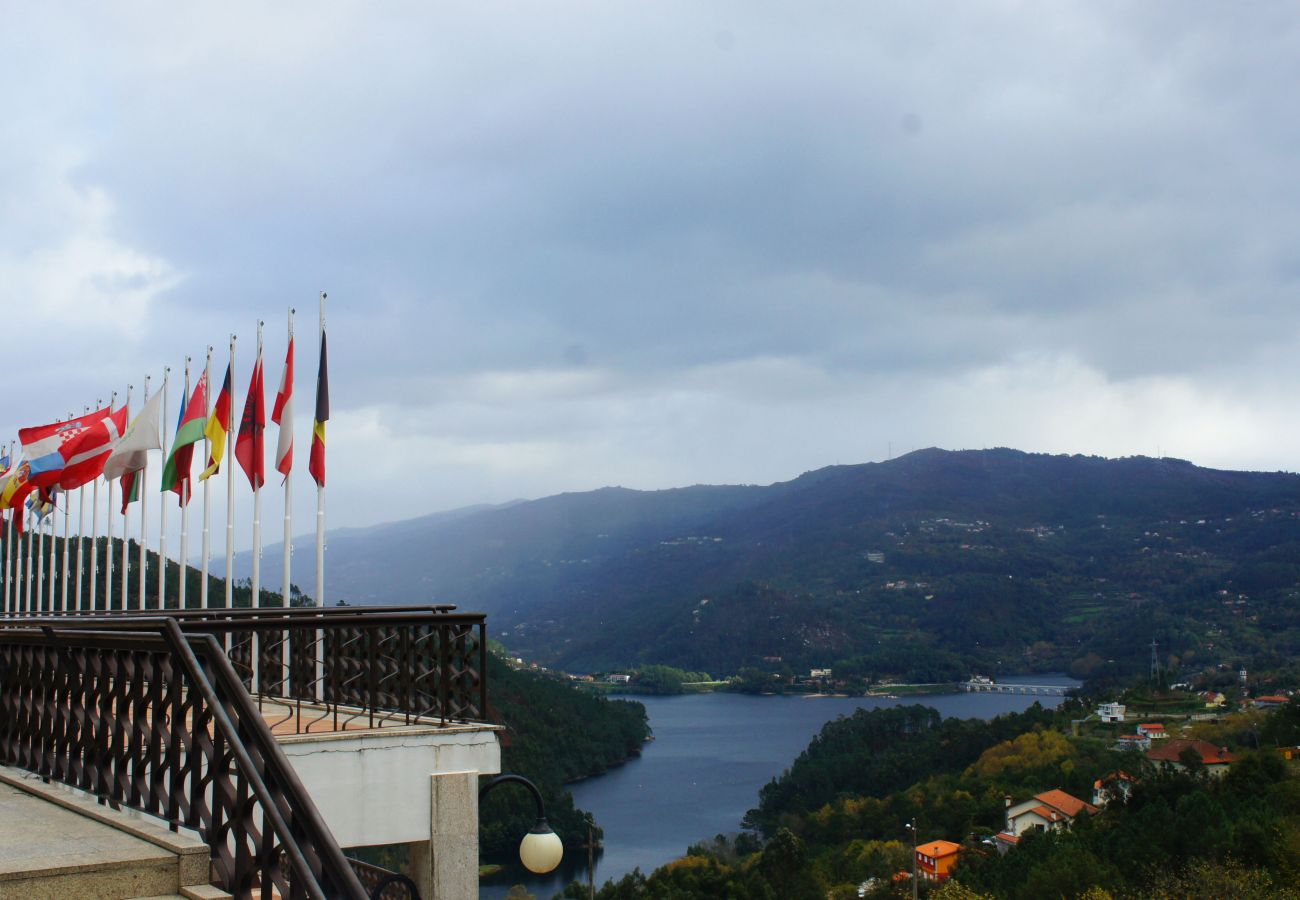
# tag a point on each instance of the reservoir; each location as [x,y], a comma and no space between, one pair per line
[703,771]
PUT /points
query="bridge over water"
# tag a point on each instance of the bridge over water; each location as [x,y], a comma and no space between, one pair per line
[1045,690]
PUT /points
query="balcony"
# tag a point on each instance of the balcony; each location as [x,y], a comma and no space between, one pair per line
[276,736]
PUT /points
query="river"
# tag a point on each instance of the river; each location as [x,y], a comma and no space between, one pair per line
[702,773]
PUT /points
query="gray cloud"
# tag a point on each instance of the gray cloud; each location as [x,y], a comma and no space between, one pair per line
[659,244]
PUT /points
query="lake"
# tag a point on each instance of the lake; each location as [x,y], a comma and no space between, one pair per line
[703,771]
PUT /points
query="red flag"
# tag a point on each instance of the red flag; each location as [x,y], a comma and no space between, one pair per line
[248,445]
[316,462]
[282,415]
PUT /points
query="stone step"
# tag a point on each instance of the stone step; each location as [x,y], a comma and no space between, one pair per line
[57,843]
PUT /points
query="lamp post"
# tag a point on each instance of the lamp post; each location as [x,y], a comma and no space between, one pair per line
[911,826]
[541,849]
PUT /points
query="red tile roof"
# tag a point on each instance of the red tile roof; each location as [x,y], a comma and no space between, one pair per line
[1210,755]
[1071,806]
[938,849]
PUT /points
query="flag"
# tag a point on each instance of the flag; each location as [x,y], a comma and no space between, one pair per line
[282,415]
[218,427]
[17,486]
[316,462]
[50,448]
[130,488]
[132,451]
[189,431]
[248,444]
[91,451]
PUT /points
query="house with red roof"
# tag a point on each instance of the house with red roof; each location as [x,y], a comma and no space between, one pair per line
[1269,701]
[1153,730]
[1132,742]
[1049,811]
[935,860]
[1170,754]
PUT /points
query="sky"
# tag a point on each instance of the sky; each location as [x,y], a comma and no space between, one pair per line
[569,245]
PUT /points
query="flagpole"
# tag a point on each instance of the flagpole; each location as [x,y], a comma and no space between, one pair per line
[256,601]
[81,543]
[230,482]
[288,481]
[53,509]
[182,481]
[162,496]
[94,530]
[40,552]
[142,483]
[320,530]
[207,489]
[108,548]
[24,571]
[67,548]
[9,542]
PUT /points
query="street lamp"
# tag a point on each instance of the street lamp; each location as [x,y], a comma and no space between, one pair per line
[541,849]
[911,826]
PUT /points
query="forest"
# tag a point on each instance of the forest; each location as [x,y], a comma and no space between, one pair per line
[825,830]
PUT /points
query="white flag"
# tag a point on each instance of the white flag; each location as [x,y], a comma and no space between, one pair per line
[132,451]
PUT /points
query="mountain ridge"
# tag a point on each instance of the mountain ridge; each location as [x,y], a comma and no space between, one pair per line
[617,576]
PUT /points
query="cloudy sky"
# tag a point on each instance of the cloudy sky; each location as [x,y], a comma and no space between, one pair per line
[653,244]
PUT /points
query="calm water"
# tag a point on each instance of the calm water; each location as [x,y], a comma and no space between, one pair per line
[702,773]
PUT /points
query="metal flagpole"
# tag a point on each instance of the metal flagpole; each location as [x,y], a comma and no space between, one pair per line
[141,484]
[24,571]
[9,544]
[162,497]
[230,482]
[256,601]
[286,421]
[94,529]
[125,601]
[320,534]
[54,506]
[67,547]
[39,536]
[182,481]
[81,544]
[207,489]
[108,548]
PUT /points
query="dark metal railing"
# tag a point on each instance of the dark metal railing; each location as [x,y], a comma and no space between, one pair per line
[153,718]
[382,884]
[339,667]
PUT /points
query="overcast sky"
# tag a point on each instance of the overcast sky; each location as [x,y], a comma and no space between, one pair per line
[654,244]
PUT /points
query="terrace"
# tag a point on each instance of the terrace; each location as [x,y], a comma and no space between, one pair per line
[275,737]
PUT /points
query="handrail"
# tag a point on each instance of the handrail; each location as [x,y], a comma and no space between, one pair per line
[384,666]
[107,710]
[305,815]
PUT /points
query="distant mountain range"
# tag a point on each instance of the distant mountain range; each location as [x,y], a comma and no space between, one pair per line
[926,564]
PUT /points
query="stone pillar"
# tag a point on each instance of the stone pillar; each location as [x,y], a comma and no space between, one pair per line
[446,868]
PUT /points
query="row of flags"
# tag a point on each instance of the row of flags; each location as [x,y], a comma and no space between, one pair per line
[66,455]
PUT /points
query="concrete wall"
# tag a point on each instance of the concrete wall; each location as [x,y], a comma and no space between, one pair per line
[373,787]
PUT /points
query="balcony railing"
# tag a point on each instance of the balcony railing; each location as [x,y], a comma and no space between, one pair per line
[339,667]
[154,718]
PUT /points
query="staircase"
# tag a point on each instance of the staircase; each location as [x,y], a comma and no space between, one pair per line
[56,843]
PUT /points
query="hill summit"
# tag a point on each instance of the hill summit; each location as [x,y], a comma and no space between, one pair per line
[926,564]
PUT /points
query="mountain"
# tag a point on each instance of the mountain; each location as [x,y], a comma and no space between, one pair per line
[923,565]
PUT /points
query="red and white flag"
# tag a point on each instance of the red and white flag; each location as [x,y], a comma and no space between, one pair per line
[282,415]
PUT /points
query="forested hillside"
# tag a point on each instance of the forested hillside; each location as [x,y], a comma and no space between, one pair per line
[921,568]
